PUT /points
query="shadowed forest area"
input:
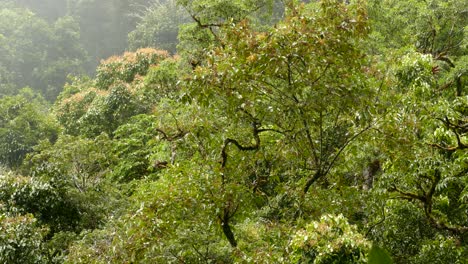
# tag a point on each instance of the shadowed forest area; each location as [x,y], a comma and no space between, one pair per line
[233,131]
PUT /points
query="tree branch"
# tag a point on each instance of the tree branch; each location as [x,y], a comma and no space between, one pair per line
[427,200]
[229,141]
[179,135]
[441,57]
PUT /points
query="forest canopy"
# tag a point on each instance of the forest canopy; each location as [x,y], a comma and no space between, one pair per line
[240,131]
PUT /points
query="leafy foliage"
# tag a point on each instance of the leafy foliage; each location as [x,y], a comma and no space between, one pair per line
[91,107]
[127,67]
[24,122]
[159,26]
[20,239]
[36,53]
[378,255]
[284,132]
[46,202]
[283,99]
[332,240]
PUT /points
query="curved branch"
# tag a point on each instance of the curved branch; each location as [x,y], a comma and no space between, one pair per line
[227,212]
[229,141]
[458,129]
[320,173]
[377,223]
[446,60]
[427,200]
[179,135]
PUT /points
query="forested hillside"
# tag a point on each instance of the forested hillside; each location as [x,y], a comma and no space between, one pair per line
[233,131]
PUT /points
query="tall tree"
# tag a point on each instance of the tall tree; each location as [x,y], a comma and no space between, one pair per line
[300,87]
[24,122]
[36,53]
[159,26]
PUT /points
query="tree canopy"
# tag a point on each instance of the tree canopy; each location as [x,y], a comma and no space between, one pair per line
[234,131]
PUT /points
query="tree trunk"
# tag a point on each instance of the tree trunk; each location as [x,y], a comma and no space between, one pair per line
[311,181]
[229,234]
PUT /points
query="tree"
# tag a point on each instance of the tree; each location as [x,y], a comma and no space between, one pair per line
[332,240]
[159,26]
[23,43]
[20,239]
[422,131]
[74,171]
[208,18]
[104,26]
[45,200]
[24,122]
[292,82]
[90,107]
[298,90]
[36,53]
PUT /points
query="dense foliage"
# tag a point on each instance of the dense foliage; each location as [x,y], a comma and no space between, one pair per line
[37,53]
[24,123]
[234,132]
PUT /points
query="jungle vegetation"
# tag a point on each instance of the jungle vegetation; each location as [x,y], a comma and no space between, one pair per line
[233,131]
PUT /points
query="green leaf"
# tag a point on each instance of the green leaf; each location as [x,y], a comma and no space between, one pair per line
[378,255]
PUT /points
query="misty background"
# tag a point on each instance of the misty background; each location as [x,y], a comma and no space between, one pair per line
[43,42]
